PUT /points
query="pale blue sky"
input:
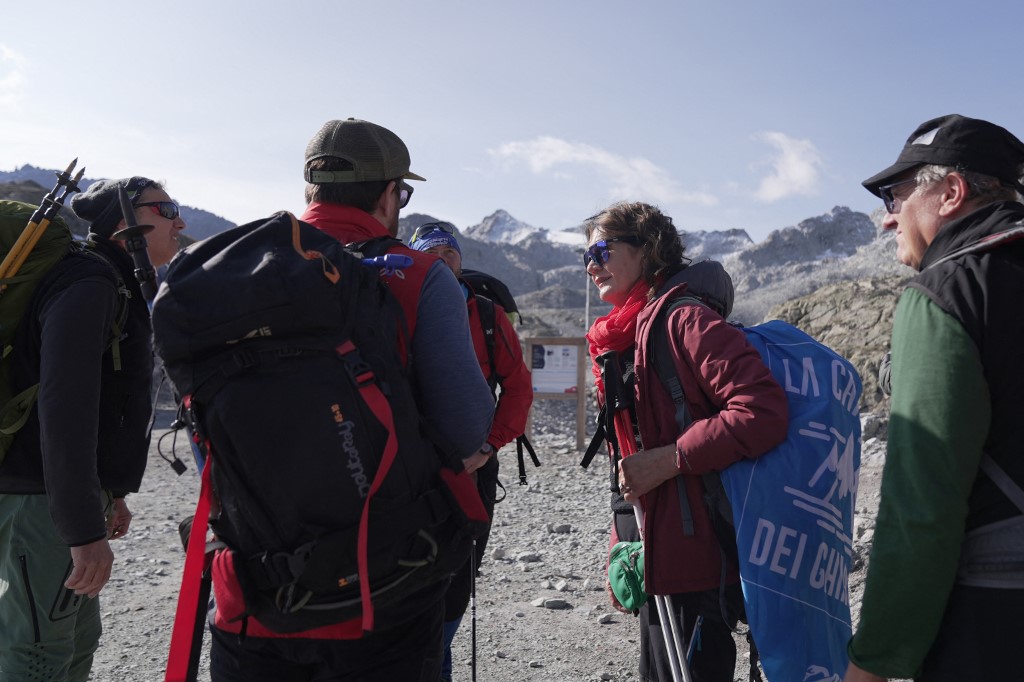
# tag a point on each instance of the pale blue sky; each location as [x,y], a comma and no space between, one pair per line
[749,114]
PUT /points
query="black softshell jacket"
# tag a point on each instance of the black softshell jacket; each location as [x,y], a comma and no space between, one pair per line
[89,429]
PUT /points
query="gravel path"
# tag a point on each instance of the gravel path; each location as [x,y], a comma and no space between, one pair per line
[548,546]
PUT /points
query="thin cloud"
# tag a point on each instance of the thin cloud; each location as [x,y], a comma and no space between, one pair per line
[626,177]
[12,78]
[795,170]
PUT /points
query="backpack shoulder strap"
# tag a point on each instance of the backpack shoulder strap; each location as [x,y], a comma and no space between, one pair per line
[124,294]
[371,248]
[661,358]
[523,443]
[1003,481]
[485,308]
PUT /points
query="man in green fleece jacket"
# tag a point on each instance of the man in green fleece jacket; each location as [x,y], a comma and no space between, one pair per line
[944,598]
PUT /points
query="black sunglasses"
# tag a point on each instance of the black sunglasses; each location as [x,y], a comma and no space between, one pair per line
[885,191]
[426,228]
[599,251]
[167,209]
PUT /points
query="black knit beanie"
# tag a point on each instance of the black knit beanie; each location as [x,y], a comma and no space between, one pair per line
[101,206]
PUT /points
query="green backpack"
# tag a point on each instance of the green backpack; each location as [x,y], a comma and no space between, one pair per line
[17,290]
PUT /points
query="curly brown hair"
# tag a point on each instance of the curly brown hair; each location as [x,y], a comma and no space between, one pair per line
[662,247]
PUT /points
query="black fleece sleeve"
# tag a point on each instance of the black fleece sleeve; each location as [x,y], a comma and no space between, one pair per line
[75,326]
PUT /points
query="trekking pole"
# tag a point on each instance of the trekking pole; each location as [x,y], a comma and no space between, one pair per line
[619,401]
[40,220]
[472,604]
[134,237]
[695,639]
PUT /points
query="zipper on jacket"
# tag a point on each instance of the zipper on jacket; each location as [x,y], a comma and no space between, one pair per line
[23,560]
[123,412]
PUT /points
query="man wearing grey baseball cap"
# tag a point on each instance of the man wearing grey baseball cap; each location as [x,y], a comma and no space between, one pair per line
[356,173]
[945,585]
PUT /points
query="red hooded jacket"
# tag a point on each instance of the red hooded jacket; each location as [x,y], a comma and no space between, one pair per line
[739,411]
[516,383]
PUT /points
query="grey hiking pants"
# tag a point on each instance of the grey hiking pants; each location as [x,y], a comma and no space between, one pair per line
[46,631]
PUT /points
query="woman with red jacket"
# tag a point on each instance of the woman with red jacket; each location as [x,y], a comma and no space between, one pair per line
[635,259]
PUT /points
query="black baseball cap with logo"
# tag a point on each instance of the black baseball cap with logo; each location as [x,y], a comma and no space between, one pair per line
[375,153]
[968,144]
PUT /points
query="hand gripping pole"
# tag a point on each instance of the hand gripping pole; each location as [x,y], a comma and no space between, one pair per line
[619,401]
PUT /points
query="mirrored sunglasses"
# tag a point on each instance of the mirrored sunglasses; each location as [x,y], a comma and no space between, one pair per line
[167,209]
[426,228]
[404,194]
[599,251]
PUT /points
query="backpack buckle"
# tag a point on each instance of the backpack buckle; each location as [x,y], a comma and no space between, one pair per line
[358,369]
[280,569]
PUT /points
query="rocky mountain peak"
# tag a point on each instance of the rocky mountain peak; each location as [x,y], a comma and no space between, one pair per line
[702,244]
[836,234]
[502,228]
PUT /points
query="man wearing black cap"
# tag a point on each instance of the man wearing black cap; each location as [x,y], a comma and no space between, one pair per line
[944,596]
[85,340]
[356,174]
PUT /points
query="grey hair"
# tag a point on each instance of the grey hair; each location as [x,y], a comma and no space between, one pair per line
[982,188]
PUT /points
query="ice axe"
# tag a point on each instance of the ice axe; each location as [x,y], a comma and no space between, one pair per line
[618,401]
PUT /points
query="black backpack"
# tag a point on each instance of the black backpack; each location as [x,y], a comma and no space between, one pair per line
[334,505]
[491,291]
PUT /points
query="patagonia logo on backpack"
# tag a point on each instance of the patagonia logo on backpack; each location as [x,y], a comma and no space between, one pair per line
[333,504]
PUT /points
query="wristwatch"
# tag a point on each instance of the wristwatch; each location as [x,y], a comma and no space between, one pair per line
[487,449]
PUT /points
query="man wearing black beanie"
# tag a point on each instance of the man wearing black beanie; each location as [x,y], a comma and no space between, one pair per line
[85,339]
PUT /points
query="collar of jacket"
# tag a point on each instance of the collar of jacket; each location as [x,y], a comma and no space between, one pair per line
[345,223]
[976,225]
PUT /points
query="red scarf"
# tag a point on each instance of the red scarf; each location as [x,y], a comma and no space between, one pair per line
[616,330]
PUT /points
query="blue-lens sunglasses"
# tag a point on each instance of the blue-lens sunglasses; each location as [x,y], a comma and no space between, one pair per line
[599,252]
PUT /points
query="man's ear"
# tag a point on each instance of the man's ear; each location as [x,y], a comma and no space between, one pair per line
[386,198]
[954,194]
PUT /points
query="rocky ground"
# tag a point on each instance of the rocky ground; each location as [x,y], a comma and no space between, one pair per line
[541,610]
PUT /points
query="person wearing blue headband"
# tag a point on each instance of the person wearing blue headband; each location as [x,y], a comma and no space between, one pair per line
[505,369]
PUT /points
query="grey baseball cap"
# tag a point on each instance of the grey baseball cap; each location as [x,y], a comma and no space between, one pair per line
[375,153]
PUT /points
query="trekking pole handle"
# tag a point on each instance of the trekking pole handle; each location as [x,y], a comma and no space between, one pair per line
[134,237]
[51,203]
[41,217]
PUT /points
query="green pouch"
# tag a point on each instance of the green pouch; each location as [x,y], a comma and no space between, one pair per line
[626,574]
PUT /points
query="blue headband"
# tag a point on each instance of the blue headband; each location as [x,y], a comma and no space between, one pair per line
[434,239]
